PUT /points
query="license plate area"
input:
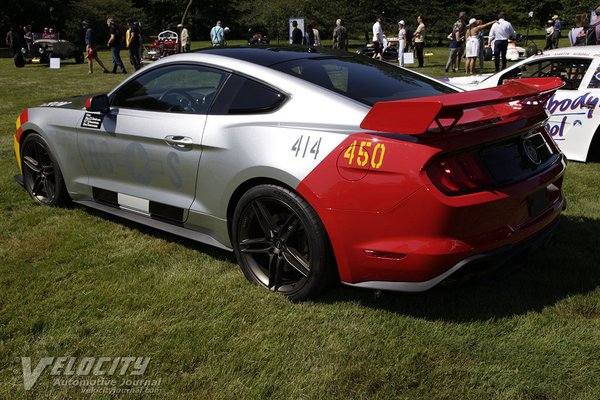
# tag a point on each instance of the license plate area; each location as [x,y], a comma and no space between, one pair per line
[538,202]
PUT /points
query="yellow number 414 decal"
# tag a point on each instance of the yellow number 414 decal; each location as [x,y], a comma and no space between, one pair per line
[362,158]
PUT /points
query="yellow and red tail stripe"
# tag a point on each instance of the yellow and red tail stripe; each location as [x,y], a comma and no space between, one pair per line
[17,141]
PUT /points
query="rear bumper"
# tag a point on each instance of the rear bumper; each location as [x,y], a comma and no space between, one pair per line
[474,265]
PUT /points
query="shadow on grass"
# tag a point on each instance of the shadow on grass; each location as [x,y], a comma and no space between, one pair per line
[214,252]
[569,266]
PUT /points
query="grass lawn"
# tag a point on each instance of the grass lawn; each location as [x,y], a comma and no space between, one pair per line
[76,283]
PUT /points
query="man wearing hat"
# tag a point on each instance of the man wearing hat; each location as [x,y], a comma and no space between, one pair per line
[556,32]
[90,47]
[401,42]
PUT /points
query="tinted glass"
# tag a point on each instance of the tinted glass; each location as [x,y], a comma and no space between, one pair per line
[241,95]
[363,79]
[177,88]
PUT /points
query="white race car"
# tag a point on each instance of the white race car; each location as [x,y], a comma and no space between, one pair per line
[573,119]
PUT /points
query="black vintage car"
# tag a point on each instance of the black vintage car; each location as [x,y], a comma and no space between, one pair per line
[43,49]
[389,53]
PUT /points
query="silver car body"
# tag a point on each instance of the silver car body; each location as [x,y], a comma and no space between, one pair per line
[182,161]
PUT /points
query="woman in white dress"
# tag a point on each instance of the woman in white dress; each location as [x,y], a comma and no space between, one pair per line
[472,45]
[401,43]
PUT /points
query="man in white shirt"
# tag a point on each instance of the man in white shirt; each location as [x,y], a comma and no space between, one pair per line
[377,38]
[501,31]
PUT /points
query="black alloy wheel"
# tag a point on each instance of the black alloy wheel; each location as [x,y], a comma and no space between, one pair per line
[41,175]
[281,243]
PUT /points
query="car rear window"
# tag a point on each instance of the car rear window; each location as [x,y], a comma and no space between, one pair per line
[363,79]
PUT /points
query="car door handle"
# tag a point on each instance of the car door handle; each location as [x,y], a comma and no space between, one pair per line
[179,142]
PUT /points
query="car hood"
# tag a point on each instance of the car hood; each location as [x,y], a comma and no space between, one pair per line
[466,82]
[75,103]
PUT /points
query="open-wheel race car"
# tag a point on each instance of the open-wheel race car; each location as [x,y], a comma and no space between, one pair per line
[165,44]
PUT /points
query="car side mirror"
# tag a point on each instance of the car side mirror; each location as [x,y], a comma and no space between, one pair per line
[99,103]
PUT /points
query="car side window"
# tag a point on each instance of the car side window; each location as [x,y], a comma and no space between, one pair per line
[571,71]
[184,88]
[595,81]
[241,95]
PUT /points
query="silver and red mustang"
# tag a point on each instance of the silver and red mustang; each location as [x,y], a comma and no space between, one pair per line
[310,166]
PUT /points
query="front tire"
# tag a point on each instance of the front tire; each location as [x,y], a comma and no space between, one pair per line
[19,60]
[41,174]
[280,242]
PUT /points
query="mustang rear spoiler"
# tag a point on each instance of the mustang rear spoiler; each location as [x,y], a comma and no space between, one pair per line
[415,117]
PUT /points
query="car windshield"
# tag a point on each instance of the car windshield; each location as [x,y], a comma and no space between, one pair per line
[363,79]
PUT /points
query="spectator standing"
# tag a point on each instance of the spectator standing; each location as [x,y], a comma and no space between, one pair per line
[472,45]
[297,35]
[114,42]
[462,18]
[549,32]
[577,33]
[401,42]
[340,36]
[314,38]
[596,24]
[217,35]
[556,32]
[419,38]
[132,41]
[454,46]
[481,38]
[501,31]
[28,36]
[12,41]
[185,38]
[377,39]
[141,46]
[90,47]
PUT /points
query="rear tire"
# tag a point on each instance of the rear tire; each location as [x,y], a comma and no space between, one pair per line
[280,242]
[78,57]
[41,174]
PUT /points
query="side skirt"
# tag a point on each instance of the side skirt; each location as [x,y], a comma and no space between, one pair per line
[155,223]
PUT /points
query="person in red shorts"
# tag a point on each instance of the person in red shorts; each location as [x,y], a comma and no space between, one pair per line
[90,47]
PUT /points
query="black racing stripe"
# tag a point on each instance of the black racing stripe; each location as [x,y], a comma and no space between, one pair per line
[105,196]
[166,212]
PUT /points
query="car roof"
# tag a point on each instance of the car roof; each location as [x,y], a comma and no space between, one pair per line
[268,56]
[589,51]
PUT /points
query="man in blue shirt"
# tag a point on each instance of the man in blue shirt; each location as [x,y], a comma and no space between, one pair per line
[217,35]
[556,33]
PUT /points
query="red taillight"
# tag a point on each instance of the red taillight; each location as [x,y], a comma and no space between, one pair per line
[459,173]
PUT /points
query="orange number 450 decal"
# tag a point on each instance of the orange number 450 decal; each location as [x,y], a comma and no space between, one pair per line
[368,155]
